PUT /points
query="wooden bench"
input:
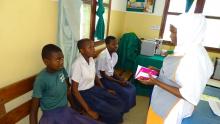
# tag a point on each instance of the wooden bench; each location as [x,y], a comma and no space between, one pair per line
[11,92]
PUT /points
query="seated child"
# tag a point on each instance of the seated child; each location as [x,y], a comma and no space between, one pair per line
[50,92]
[96,101]
[105,64]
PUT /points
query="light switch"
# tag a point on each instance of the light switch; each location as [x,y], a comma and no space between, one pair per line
[155,27]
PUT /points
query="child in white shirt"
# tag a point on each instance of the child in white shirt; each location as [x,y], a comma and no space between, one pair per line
[96,101]
[105,64]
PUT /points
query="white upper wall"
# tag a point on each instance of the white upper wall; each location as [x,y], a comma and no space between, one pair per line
[159,7]
[120,5]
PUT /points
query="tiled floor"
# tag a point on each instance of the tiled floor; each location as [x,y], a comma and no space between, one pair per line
[137,115]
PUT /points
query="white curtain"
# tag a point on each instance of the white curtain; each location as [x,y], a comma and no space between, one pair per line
[69,30]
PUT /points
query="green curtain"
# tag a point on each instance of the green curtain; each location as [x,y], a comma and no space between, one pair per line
[100,27]
[128,50]
[188,5]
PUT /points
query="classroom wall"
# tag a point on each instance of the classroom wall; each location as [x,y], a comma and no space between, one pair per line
[25,27]
[143,24]
[117,18]
[116,25]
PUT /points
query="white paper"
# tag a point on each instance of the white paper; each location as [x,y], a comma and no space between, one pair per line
[215,106]
[137,71]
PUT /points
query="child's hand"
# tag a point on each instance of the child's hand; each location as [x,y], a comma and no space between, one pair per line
[150,81]
[93,114]
[121,78]
[123,83]
[111,92]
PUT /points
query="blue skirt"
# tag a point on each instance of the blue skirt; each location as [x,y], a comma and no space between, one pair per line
[109,107]
[127,93]
[65,115]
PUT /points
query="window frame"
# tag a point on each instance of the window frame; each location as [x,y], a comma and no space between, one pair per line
[198,9]
[94,6]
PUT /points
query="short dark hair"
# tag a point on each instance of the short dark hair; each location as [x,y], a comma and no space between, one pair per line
[48,49]
[81,42]
[108,39]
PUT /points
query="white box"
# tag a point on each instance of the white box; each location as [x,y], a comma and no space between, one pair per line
[148,47]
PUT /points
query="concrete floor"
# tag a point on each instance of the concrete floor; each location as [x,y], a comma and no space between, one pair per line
[138,114]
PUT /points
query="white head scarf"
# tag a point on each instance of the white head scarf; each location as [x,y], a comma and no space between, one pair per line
[195,67]
[190,32]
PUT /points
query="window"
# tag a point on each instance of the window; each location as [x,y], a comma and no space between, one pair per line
[89,18]
[210,8]
[85,21]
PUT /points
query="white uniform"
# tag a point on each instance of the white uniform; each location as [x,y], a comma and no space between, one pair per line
[83,73]
[195,68]
[106,62]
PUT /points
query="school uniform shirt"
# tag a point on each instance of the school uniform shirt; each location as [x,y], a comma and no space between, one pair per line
[83,72]
[106,62]
[51,89]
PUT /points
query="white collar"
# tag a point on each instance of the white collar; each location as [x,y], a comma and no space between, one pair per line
[83,60]
[108,54]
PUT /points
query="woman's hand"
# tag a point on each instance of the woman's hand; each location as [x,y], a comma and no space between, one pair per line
[151,67]
[150,81]
[153,81]
[154,68]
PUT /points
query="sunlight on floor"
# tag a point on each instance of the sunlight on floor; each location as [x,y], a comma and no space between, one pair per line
[137,115]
